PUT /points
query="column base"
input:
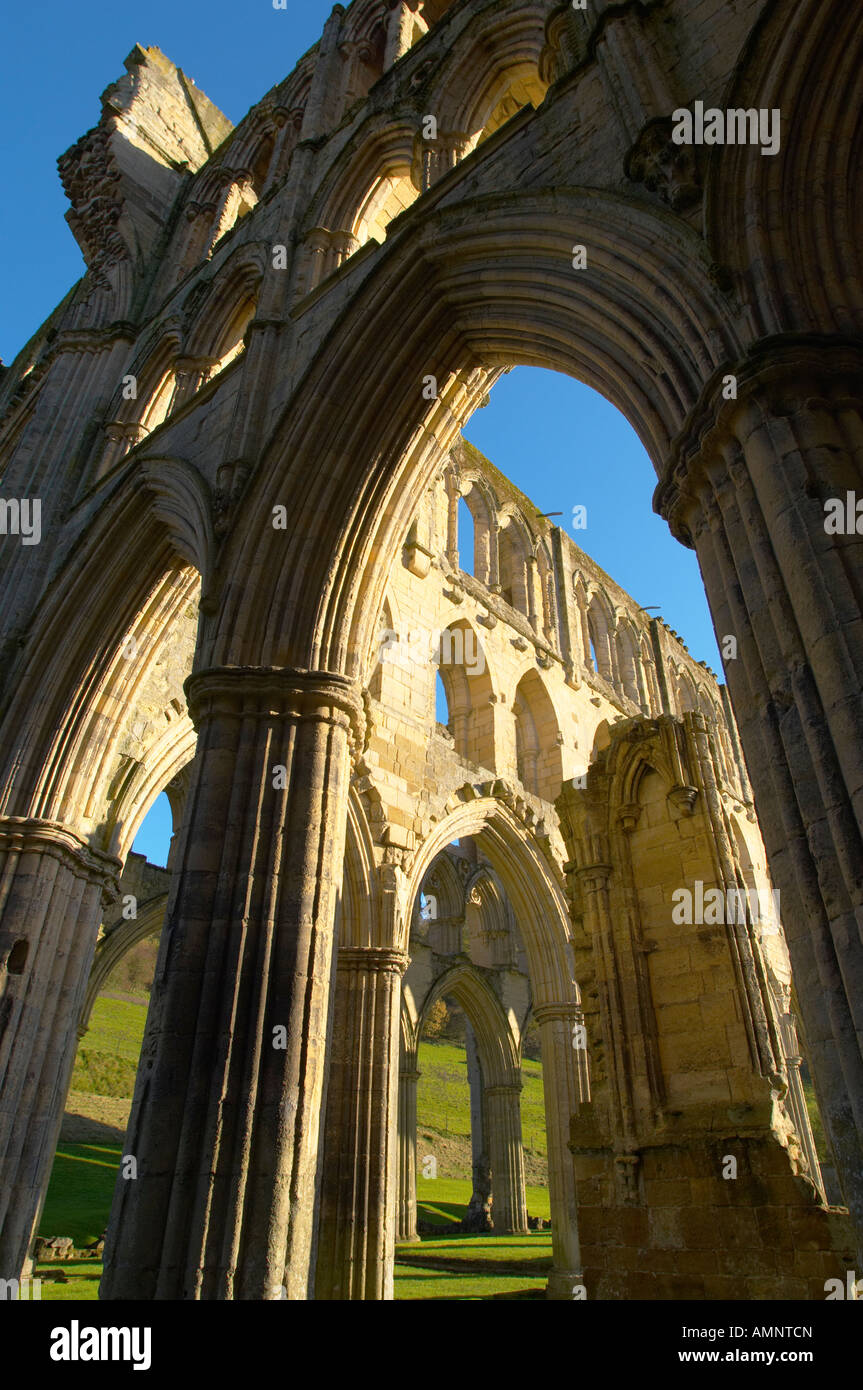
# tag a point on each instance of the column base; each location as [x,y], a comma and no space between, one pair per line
[565,1285]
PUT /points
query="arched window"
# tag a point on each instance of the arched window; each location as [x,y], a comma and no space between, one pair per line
[513,566]
[441,701]
[390,194]
[686,696]
[231,341]
[537,738]
[466,544]
[260,164]
[628,664]
[468,689]
[599,623]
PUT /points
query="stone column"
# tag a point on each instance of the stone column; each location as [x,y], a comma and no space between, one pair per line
[226,1116]
[359,1185]
[748,488]
[479,1214]
[534,593]
[53,889]
[503,1131]
[191,373]
[565,1086]
[438,156]
[400,24]
[407,1222]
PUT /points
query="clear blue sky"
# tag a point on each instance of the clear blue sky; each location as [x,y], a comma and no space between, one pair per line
[560,442]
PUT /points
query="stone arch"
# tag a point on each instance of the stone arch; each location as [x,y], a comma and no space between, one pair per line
[469,687]
[369,185]
[62,760]
[538,738]
[216,332]
[515,548]
[531,886]
[359,924]
[539,906]
[687,695]
[488,921]
[131,420]
[448,888]
[117,944]
[606,356]
[478,498]
[498,1046]
[56,774]
[629,664]
[483,84]
[600,626]
[786,261]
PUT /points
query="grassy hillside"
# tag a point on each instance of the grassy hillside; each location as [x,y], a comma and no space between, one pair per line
[107,1057]
[443,1112]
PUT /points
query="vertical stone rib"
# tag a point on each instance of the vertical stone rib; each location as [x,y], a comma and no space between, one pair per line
[503,1124]
[408,1078]
[565,1087]
[360,1184]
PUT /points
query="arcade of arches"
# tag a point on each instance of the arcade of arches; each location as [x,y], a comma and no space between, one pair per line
[244,429]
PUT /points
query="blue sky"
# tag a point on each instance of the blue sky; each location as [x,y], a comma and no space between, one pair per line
[559,441]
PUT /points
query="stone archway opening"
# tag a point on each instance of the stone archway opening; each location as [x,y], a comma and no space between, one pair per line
[497,946]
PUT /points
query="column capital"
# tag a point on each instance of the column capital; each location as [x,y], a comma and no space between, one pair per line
[593,876]
[29,835]
[380,959]
[558,1012]
[237,691]
[511,1089]
[784,370]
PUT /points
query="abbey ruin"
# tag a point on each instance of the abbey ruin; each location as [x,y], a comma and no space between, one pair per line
[233,566]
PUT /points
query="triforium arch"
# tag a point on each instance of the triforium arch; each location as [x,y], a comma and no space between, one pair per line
[694,287]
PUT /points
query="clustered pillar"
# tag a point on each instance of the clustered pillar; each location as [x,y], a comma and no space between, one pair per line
[566,1087]
[226,1115]
[53,889]
[407,1210]
[359,1190]
[750,491]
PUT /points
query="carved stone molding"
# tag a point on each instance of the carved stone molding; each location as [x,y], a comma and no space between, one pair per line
[28,835]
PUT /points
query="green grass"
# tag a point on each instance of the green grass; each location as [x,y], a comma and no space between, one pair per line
[107,1057]
[427,1286]
[463,1268]
[443,1094]
[443,1201]
[80,1191]
[81,1281]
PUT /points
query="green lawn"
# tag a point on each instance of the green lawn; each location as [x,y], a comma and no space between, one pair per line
[80,1192]
[443,1201]
[82,1185]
